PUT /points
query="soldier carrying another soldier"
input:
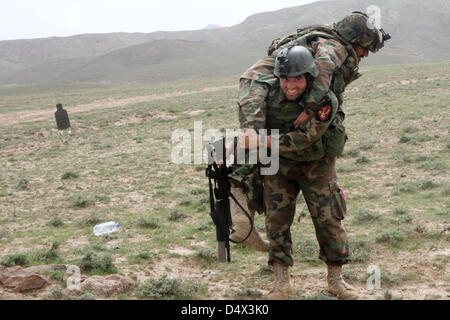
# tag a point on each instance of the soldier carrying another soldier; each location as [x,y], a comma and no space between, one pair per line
[301,96]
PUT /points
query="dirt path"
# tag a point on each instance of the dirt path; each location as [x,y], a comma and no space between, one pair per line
[30,116]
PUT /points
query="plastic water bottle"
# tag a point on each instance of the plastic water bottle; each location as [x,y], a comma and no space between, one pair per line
[105,228]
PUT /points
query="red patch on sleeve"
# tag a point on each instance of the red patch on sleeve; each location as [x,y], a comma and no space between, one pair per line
[324,113]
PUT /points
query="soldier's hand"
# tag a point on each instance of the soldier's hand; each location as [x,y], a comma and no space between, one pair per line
[301,119]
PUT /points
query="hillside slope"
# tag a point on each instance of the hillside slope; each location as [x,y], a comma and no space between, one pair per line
[419,30]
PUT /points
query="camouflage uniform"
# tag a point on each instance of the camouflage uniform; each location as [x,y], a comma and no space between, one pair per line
[334,50]
[306,164]
[307,154]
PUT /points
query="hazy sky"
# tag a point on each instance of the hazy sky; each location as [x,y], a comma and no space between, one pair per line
[26,19]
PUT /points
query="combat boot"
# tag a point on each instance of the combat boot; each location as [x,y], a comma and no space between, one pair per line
[282,287]
[241,223]
[337,285]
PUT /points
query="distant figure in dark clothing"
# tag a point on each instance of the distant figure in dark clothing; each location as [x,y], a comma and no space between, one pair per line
[62,118]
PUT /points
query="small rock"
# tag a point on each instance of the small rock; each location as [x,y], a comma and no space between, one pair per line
[108,286]
[20,280]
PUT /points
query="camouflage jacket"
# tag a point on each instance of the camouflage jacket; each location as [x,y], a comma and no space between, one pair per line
[336,60]
[262,105]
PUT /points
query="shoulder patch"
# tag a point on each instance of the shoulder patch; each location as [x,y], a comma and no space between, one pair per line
[324,113]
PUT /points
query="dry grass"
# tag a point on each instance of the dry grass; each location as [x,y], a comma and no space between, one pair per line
[115,165]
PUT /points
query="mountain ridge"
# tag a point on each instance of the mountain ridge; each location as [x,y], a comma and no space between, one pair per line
[419,34]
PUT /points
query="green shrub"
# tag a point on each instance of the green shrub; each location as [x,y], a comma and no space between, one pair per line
[351,153]
[408,140]
[138,258]
[205,225]
[208,255]
[47,256]
[362,159]
[23,184]
[148,222]
[308,250]
[389,296]
[103,198]
[198,191]
[320,296]
[58,275]
[367,145]
[434,165]
[421,229]
[423,138]
[201,207]
[407,218]
[15,259]
[56,222]
[390,236]
[185,202]
[174,289]
[359,251]
[203,199]
[414,158]
[405,139]
[427,185]
[92,220]
[56,294]
[176,214]
[405,187]
[410,130]
[361,216]
[400,210]
[69,175]
[3,233]
[97,264]
[248,293]
[446,190]
[82,200]
[263,271]
[85,296]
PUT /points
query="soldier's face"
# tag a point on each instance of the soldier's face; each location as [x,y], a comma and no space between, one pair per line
[361,52]
[293,88]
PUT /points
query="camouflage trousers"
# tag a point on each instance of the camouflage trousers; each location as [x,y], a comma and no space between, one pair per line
[326,203]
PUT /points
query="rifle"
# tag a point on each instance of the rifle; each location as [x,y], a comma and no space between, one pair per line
[219,198]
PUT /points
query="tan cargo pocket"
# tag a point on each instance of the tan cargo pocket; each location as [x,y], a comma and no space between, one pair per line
[338,204]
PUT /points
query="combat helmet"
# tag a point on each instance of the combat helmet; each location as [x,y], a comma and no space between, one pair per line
[357,29]
[294,61]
